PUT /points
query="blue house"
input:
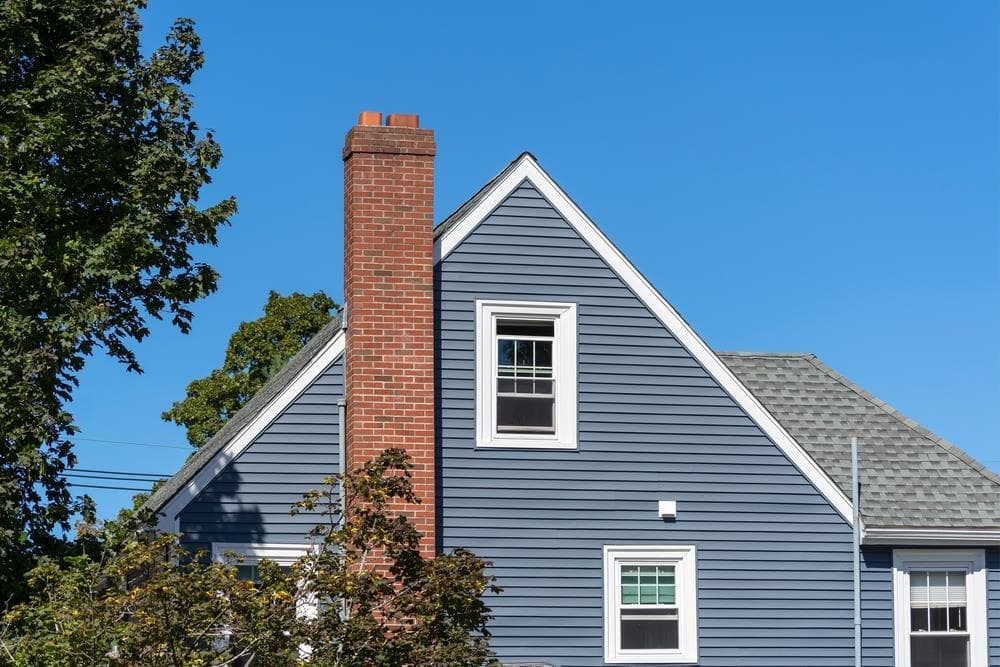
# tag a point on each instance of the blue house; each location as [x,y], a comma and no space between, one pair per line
[643,498]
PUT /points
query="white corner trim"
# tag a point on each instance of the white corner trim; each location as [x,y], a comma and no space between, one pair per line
[527,169]
[564,316]
[170,512]
[930,536]
[684,558]
[972,561]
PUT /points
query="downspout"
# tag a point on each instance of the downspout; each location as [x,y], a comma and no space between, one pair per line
[342,456]
[856,507]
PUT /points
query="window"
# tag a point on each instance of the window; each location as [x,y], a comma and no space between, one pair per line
[247,557]
[650,604]
[526,374]
[940,608]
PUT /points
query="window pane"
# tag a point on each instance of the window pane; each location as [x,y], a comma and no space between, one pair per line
[543,354]
[648,633]
[919,620]
[630,594]
[956,619]
[525,328]
[505,355]
[939,651]
[939,619]
[246,572]
[524,352]
[515,413]
[667,594]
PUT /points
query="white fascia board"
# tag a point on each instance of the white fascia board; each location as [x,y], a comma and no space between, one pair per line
[170,512]
[527,169]
[930,536]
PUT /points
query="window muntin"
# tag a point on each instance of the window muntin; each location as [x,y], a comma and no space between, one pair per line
[940,608]
[525,381]
[526,374]
[650,604]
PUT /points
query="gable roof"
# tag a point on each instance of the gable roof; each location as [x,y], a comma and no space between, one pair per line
[244,427]
[461,223]
[910,477]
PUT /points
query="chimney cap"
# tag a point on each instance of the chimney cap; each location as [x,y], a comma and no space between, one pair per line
[370,118]
[403,120]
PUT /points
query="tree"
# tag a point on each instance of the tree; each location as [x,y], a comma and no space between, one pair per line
[256,351]
[139,599]
[101,167]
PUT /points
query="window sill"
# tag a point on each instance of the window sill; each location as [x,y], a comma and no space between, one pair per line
[659,659]
[525,443]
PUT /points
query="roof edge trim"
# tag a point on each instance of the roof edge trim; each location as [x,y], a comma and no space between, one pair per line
[929,536]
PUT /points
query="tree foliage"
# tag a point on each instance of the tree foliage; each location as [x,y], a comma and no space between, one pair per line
[101,166]
[256,351]
[364,595]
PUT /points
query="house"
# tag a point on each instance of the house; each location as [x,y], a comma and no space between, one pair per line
[643,498]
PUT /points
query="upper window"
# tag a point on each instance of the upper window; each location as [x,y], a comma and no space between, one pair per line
[940,614]
[526,374]
[650,601]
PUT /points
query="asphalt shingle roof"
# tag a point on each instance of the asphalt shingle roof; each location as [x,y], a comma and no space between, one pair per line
[910,478]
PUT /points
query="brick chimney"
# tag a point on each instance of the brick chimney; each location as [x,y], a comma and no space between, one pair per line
[388,290]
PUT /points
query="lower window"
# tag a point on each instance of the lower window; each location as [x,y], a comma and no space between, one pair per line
[940,613]
[650,601]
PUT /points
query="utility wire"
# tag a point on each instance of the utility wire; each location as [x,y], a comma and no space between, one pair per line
[116,472]
[138,444]
[112,488]
[113,477]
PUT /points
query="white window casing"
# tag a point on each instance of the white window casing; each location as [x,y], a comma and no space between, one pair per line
[970,561]
[683,560]
[564,371]
[282,555]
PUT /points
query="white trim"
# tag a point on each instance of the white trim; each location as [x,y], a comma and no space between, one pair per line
[972,561]
[527,169]
[930,536]
[684,558]
[254,552]
[170,512]
[564,371]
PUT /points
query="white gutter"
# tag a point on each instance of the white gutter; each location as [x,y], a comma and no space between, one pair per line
[916,537]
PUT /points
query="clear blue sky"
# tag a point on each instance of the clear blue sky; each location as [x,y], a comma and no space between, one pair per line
[819,177]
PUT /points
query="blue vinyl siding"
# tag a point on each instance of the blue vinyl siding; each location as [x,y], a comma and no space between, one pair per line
[774,566]
[877,636]
[250,499]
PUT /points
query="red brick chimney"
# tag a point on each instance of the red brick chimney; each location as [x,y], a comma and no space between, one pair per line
[388,290]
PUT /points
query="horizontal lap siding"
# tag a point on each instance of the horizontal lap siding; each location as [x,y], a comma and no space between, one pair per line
[249,500]
[876,607]
[774,565]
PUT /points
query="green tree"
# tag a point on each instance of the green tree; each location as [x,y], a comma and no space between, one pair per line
[256,351]
[101,168]
[138,599]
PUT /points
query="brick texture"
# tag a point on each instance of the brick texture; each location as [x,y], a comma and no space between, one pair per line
[388,288]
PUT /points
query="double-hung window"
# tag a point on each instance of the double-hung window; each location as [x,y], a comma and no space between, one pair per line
[940,613]
[650,604]
[526,374]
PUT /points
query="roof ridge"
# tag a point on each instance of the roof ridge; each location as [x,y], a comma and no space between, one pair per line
[910,423]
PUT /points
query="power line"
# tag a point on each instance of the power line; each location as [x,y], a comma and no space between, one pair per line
[117,472]
[112,477]
[138,444]
[111,488]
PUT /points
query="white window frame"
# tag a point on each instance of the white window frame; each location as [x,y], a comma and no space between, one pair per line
[564,366]
[283,555]
[684,559]
[973,561]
